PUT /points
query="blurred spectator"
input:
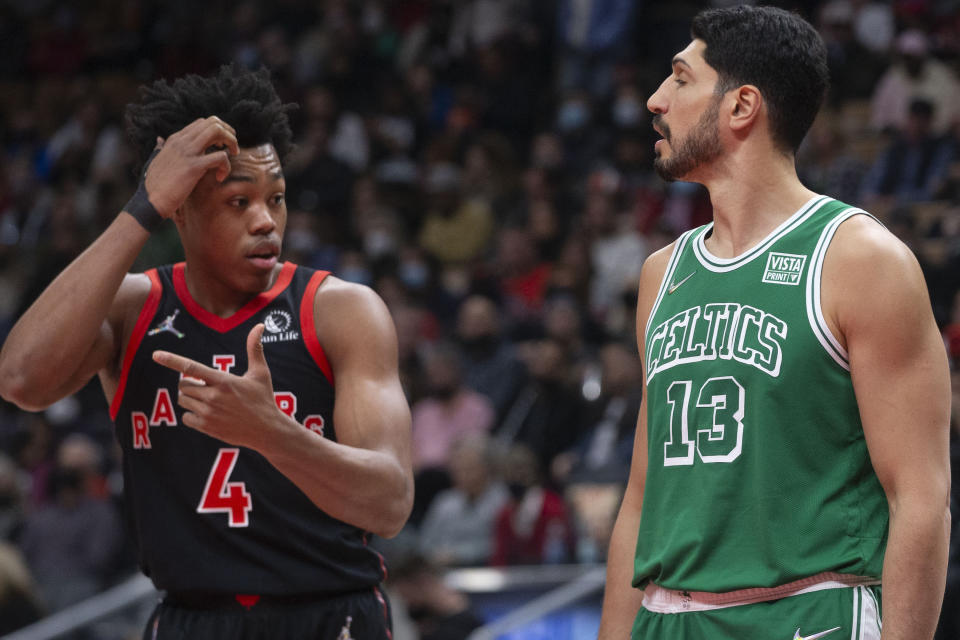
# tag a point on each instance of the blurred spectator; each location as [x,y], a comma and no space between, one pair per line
[617,251]
[71,544]
[439,611]
[913,167]
[916,74]
[535,526]
[19,601]
[458,527]
[826,165]
[594,35]
[854,67]
[348,141]
[951,336]
[523,275]
[456,229]
[447,412]
[491,365]
[547,413]
[12,514]
[585,141]
[603,451]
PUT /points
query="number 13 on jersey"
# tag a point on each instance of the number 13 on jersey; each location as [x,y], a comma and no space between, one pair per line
[721,439]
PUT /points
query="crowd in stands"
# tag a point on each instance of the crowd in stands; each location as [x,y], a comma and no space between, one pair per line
[486,167]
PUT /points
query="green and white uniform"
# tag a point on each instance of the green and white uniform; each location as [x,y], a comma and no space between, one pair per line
[758,472]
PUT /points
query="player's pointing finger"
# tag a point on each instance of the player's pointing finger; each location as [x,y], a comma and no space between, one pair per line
[189,368]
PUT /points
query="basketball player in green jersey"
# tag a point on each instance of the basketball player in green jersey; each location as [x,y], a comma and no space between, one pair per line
[790,475]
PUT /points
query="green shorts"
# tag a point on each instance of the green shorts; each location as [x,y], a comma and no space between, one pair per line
[851,613]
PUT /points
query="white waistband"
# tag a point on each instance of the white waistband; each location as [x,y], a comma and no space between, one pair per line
[660,600]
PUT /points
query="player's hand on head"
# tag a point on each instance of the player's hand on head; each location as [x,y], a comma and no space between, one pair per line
[232,408]
[183,158]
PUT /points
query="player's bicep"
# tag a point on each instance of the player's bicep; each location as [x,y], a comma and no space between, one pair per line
[370,409]
[897,360]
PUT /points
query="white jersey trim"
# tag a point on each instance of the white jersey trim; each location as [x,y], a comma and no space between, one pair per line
[660,600]
[867,624]
[818,322]
[678,246]
[722,265]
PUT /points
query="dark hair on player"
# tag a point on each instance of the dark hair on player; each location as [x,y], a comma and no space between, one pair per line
[778,52]
[246,100]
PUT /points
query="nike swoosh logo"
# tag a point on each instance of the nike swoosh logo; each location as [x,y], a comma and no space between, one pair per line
[797,636]
[676,285]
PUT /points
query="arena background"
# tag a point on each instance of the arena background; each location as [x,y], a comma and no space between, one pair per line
[485,165]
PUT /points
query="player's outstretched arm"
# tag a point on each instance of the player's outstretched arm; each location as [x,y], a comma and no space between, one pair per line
[76,326]
[621,601]
[875,293]
[365,478]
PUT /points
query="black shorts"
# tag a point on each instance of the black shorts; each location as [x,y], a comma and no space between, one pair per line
[360,615]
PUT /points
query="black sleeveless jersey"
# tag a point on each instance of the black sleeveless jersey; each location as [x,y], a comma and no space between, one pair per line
[213,517]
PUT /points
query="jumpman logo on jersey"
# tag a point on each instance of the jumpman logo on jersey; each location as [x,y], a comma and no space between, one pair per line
[797,636]
[167,325]
[345,631]
[676,285]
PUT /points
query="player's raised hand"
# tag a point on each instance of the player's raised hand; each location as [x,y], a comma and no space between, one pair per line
[236,409]
[185,157]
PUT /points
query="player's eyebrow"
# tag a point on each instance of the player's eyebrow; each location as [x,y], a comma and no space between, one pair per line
[678,61]
[239,177]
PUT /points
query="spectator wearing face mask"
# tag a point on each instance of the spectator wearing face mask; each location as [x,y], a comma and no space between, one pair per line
[535,526]
[449,412]
[916,74]
[491,365]
[71,544]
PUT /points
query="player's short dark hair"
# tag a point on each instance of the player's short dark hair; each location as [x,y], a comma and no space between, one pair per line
[246,100]
[778,52]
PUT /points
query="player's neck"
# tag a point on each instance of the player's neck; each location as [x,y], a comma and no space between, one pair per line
[751,197]
[217,295]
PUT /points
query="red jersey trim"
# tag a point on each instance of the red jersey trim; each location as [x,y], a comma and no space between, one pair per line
[214,321]
[308,326]
[139,330]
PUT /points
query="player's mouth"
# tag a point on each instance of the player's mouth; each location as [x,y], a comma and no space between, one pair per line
[660,127]
[264,254]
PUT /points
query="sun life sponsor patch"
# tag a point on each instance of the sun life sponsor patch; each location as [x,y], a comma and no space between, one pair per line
[784,268]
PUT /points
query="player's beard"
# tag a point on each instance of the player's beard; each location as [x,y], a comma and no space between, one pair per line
[699,146]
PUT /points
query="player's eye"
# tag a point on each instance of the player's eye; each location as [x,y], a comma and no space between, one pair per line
[239,203]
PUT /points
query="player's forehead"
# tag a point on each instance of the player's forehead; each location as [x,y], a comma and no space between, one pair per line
[254,163]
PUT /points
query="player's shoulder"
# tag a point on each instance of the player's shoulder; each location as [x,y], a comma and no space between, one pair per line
[863,247]
[655,266]
[344,296]
[349,309]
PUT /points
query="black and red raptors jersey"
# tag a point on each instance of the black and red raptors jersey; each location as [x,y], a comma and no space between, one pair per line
[213,517]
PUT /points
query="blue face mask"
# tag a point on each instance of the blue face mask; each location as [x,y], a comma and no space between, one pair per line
[357,274]
[414,274]
[573,116]
[627,112]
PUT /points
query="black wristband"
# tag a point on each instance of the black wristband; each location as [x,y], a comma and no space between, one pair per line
[142,210]
[139,206]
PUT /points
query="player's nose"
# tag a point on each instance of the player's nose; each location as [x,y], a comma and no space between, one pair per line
[261,219]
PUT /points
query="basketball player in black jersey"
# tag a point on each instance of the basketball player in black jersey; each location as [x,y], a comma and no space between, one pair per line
[264,429]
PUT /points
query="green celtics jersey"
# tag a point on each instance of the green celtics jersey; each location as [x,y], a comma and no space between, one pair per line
[758,472]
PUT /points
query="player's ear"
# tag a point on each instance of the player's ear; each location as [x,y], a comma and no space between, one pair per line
[745,104]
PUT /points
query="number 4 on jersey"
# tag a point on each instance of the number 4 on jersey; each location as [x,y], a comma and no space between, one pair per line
[220,496]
